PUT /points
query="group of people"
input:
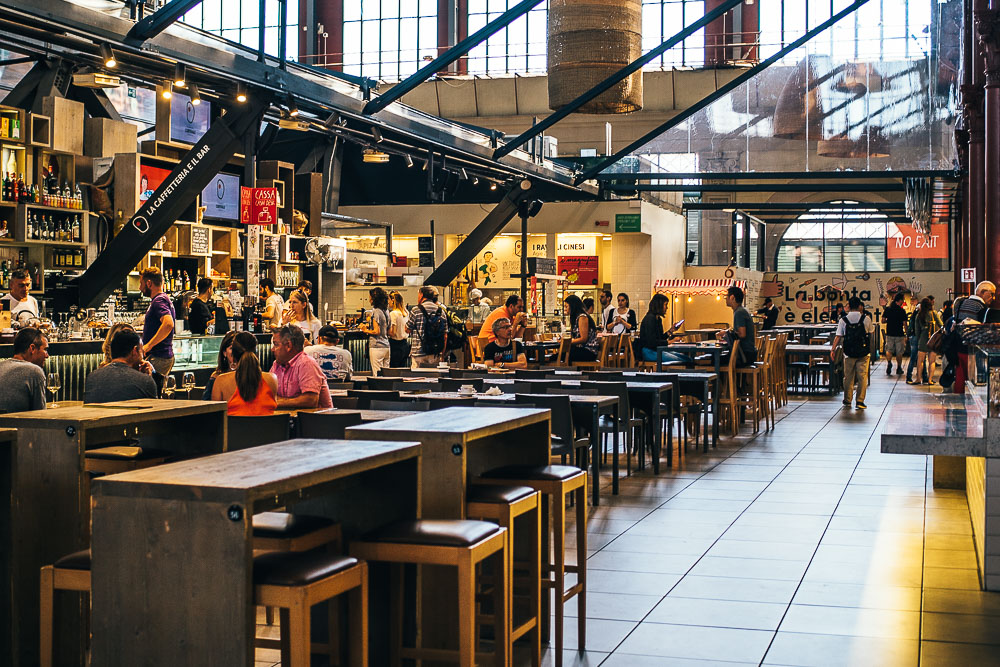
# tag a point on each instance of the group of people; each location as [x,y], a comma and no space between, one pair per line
[398,338]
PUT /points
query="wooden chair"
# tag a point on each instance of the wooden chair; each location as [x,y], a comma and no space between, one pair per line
[754,378]
[381,382]
[345,402]
[627,423]
[503,505]
[69,573]
[565,444]
[475,351]
[461,545]
[454,384]
[728,404]
[247,432]
[561,360]
[122,458]
[781,370]
[296,581]
[327,425]
[365,396]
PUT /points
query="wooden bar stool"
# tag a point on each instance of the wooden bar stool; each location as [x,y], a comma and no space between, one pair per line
[503,504]
[294,582]
[122,458]
[556,483]
[69,573]
[459,544]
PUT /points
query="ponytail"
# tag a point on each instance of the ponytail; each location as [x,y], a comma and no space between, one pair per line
[247,372]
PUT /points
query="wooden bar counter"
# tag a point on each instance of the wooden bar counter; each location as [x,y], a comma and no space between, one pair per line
[172,546]
[45,482]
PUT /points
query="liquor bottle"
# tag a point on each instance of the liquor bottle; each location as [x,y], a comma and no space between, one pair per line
[6,188]
[66,196]
[4,231]
[30,231]
[78,198]
[15,129]
[77,229]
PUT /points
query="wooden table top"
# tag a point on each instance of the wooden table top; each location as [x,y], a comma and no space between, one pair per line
[807,349]
[680,375]
[111,414]
[374,415]
[464,423]
[258,472]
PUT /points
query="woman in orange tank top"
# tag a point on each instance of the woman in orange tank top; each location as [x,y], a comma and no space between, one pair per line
[247,391]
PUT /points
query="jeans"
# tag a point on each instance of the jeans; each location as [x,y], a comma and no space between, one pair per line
[650,355]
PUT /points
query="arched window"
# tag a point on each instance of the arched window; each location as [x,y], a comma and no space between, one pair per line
[831,237]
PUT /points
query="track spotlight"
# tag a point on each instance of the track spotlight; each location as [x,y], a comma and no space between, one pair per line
[493,186]
[108,56]
[475,180]
[180,75]
[195,95]
[241,92]
[377,135]
[462,174]
[408,160]
[293,109]
[167,91]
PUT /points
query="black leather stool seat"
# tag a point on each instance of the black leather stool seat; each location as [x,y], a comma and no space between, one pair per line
[297,568]
[74,561]
[546,473]
[284,525]
[496,494]
[435,533]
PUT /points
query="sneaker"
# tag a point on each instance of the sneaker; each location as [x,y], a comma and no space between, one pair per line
[888,369]
[899,371]
[846,404]
[860,405]
[911,382]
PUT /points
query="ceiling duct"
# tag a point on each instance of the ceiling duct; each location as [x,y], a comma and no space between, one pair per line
[588,41]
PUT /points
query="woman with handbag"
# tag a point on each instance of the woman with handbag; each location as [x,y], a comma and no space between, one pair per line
[925,325]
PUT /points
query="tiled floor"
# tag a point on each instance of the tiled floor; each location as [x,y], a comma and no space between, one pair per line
[803,546]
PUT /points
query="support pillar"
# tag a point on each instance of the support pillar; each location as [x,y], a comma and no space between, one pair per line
[974,218]
[988,29]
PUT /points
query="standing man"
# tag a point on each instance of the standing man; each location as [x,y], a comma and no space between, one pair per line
[512,311]
[770,313]
[971,309]
[895,333]
[273,304]
[428,329]
[201,314]
[158,328]
[18,298]
[855,330]
[22,378]
[301,382]
[607,309]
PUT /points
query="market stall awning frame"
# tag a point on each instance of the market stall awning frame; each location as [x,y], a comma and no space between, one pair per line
[697,286]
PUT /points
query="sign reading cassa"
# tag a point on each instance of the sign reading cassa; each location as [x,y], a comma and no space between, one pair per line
[258,206]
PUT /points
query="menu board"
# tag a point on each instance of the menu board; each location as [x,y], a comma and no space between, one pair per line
[199,240]
[578,270]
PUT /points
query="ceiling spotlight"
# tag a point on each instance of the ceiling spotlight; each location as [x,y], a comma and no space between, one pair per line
[408,160]
[293,109]
[493,186]
[167,91]
[374,156]
[462,174]
[108,56]
[241,92]
[475,180]
[195,95]
[180,75]
[377,135]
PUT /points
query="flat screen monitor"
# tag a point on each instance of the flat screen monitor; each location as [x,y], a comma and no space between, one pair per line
[150,178]
[187,121]
[221,198]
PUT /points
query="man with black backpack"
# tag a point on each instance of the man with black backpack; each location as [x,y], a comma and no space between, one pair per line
[854,329]
[428,329]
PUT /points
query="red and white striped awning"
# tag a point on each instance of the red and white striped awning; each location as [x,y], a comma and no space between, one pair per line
[697,285]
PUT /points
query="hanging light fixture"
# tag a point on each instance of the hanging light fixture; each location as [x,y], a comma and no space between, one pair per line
[167,91]
[180,75]
[798,112]
[195,95]
[241,92]
[293,109]
[372,156]
[108,56]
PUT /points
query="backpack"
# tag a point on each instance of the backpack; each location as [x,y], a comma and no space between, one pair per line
[435,331]
[456,331]
[857,342]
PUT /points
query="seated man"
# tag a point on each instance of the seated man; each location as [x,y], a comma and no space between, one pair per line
[504,352]
[22,380]
[336,363]
[122,379]
[301,383]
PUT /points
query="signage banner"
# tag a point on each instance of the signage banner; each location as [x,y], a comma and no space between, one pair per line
[969,275]
[258,206]
[628,222]
[908,243]
[578,270]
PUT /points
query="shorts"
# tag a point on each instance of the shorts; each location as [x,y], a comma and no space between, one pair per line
[895,346]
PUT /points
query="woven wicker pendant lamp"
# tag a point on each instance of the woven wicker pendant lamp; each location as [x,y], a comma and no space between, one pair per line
[588,41]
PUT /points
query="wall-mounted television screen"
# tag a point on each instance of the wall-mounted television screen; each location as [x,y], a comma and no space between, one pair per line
[187,121]
[221,198]
[150,178]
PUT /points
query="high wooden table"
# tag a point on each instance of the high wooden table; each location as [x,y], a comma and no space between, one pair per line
[172,546]
[49,487]
[693,350]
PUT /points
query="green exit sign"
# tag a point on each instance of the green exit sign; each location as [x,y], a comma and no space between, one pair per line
[628,222]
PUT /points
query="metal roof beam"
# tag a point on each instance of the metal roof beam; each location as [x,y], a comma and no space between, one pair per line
[724,90]
[779,175]
[757,187]
[448,57]
[614,79]
[803,206]
[161,19]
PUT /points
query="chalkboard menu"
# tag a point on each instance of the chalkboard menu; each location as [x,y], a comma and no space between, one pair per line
[199,241]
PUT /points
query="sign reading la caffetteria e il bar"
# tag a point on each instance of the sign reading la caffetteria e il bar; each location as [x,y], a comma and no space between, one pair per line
[258,206]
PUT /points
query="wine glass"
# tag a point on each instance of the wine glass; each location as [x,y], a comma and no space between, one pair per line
[53,384]
[188,382]
[169,386]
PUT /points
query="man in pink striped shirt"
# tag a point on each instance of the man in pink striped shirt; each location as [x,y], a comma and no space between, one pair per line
[301,383]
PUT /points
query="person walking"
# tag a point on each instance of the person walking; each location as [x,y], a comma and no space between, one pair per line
[158,326]
[895,334]
[428,329]
[913,340]
[925,324]
[854,329]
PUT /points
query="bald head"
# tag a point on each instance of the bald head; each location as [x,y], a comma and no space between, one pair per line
[986,291]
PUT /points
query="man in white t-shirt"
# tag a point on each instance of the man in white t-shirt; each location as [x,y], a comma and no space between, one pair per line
[607,309]
[20,302]
[336,362]
[854,329]
[273,304]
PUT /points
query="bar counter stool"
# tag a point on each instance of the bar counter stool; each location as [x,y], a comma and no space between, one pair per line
[504,504]
[556,483]
[294,582]
[459,544]
[69,573]
[118,458]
